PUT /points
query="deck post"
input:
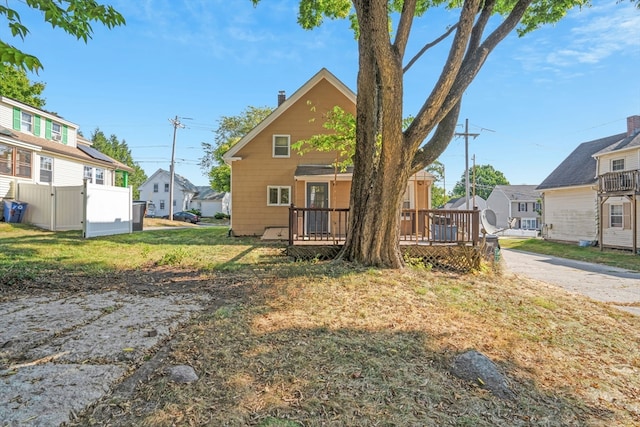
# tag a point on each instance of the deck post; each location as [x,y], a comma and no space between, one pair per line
[291,222]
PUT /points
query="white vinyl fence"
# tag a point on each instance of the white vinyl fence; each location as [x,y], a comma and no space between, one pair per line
[97,210]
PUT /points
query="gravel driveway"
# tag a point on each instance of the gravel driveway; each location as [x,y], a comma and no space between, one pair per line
[616,286]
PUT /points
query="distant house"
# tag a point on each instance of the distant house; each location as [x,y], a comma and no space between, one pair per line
[155,190]
[516,206]
[268,175]
[210,202]
[460,203]
[592,194]
[38,147]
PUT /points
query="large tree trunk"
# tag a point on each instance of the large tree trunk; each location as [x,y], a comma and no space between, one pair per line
[381,171]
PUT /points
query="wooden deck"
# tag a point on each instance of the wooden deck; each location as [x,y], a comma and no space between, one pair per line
[439,238]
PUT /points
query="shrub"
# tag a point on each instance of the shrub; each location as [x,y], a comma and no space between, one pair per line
[220,215]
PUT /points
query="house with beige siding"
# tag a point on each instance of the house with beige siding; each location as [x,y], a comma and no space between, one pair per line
[42,148]
[592,195]
[268,175]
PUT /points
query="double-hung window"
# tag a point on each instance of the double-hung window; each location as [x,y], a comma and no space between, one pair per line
[56,131]
[616,215]
[155,187]
[46,169]
[26,122]
[100,176]
[522,207]
[161,205]
[617,165]
[281,145]
[88,173]
[166,187]
[278,195]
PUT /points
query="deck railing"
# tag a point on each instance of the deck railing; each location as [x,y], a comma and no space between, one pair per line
[619,182]
[422,226]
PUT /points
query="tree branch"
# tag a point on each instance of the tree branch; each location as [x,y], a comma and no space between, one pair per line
[404,27]
[429,46]
[428,153]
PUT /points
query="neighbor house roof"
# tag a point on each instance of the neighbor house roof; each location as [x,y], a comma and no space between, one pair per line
[89,155]
[518,192]
[313,81]
[579,168]
[177,179]
[207,193]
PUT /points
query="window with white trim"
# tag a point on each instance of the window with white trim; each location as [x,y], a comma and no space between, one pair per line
[46,169]
[15,161]
[278,195]
[161,205]
[155,187]
[100,176]
[529,224]
[617,165]
[26,122]
[88,173]
[522,207]
[56,131]
[281,145]
[166,187]
[615,216]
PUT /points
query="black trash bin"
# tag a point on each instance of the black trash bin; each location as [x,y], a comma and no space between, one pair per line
[139,209]
[14,210]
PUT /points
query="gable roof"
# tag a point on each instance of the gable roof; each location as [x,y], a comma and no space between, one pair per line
[323,74]
[518,192]
[579,168]
[177,180]
[207,193]
[627,143]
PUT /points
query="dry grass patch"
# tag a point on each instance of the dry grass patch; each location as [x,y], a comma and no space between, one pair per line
[331,345]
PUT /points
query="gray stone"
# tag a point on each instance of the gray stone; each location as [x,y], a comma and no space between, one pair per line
[475,367]
[182,374]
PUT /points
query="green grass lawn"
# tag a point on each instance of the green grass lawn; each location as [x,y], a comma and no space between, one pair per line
[335,344]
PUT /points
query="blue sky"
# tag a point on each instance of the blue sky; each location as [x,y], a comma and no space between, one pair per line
[535,100]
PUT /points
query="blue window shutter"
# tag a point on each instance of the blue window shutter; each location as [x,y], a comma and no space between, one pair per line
[36,125]
[16,118]
[47,129]
[65,133]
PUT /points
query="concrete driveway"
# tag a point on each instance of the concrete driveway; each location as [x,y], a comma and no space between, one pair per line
[616,286]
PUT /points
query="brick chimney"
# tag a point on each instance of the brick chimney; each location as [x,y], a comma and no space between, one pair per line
[282,97]
[633,125]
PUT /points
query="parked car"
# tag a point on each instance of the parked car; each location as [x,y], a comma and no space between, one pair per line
[184,216]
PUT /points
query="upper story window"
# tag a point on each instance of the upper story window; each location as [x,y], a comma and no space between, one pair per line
[46,169]
[15,161]
[522,207]
[26,122]
[537,207]
[88,173]
[56,131]
[281,145]
[100,176]
[155,187]
[166,188]
[617,165]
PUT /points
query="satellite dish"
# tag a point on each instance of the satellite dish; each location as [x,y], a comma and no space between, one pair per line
[488,220]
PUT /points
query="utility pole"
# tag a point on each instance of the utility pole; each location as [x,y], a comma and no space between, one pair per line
[176,124]
[466,135]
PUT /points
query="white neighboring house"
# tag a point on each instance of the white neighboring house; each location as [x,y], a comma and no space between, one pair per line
[156,190]
[210,202]
[592,196]
[38,147]
[516,205]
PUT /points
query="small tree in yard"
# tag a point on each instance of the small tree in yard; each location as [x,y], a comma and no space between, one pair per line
[382,169]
